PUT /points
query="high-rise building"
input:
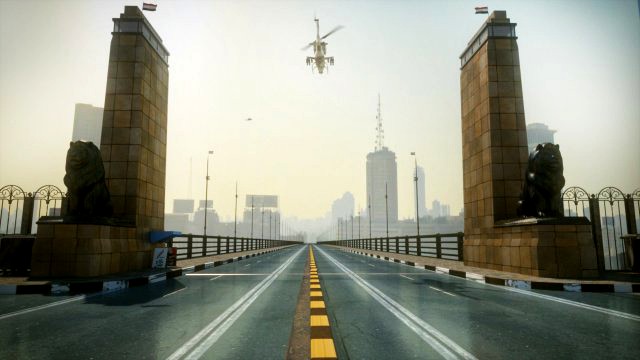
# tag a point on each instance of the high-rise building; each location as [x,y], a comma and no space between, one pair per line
[343,207]
[382,184]
[422,191]
[538,133]
[87,123]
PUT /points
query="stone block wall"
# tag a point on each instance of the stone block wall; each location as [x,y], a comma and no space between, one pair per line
[80,250]
[564,251]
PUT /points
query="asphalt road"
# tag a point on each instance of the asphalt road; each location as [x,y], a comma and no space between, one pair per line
[377,310]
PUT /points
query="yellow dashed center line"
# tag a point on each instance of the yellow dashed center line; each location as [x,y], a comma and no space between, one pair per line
[322,346]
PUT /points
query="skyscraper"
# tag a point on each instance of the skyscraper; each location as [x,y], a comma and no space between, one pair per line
[538,133]
[87,123]
[343,207]
[382,179]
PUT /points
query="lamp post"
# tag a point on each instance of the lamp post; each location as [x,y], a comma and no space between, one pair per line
[251,216]
[206,194]
[261,223]
[386,204]
[415,179]
[369,206]
[235,215]
[270,212]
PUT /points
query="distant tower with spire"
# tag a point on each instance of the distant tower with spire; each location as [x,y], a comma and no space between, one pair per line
[382,179]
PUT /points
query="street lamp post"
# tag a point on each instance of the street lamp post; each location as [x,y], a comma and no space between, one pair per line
[270,224]
[386,204]
[206,195]
[251,217]
[370,215]
[235,217]
[415,179]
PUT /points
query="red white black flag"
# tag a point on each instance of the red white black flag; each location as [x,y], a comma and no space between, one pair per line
[482,9]
[149,7]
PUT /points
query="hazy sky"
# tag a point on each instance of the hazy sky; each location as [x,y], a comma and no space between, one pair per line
[580,64]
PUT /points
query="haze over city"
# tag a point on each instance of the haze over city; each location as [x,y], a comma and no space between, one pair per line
[310,133]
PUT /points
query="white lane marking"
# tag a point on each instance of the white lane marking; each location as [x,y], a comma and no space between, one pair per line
[247,265]
[437,340]
[442,291]
[371,265]
[574,303]
[217,277]
[230,274]
[195,347]
[42,307]
[406,277]
[171,293]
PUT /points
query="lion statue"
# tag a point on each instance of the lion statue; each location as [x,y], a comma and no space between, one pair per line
[543,183]
[87,191]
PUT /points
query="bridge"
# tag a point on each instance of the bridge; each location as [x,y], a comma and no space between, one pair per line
[325,301]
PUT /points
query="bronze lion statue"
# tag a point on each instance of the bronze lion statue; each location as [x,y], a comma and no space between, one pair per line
[543,183]
[88,195]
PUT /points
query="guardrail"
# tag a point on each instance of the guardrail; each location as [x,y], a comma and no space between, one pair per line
[194,246]
[441,246]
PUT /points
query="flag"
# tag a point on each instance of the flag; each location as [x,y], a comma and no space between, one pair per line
[149,7]
[482,9]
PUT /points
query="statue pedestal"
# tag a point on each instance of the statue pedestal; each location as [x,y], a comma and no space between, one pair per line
[87,250]
[559,248]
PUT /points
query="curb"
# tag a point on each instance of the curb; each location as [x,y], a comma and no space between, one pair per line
[103,287]
[613,287]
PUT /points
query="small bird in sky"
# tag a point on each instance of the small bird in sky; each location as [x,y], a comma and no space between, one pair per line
[248,119]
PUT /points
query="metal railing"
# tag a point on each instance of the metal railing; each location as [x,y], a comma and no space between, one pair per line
[441,246]
[191,246]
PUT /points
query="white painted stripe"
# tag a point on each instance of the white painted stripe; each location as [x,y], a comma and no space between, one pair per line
[208,265]
[8,289]
[519,284]
[572,287]
[475,277]
[157,278]
[214,278]
[42,307]
[442,291]
[574,303]
[188,269]
[171,293]
[623,288]
[371,265]
[203,340]
[438,341]
[406,277]
[442,270]
[402,262]
[109,286]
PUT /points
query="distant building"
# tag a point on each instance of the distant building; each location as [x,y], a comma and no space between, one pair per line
[177,222]
[184,206]
[87,123]
[382,184]
[538,133]
[343,207]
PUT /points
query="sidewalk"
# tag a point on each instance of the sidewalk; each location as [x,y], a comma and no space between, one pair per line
[108,283]
[611,282]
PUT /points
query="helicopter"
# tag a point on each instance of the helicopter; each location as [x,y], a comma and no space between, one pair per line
[319,60]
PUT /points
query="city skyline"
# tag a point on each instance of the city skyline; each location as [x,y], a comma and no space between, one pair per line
[305,124]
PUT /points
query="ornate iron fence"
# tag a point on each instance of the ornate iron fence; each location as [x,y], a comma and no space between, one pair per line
[612,214]
[18,213]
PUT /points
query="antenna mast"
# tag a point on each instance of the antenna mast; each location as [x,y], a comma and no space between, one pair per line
[379,130]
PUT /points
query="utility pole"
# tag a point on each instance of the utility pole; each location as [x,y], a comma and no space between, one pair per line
[252,216]
[370,217]
[415,179]
[206,194]
[235,215]
[386,203]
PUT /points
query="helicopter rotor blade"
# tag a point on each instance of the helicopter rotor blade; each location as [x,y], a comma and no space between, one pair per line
[308,46]
[332,31]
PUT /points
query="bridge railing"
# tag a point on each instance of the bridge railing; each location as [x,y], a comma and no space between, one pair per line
[191,246]
[441,246]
